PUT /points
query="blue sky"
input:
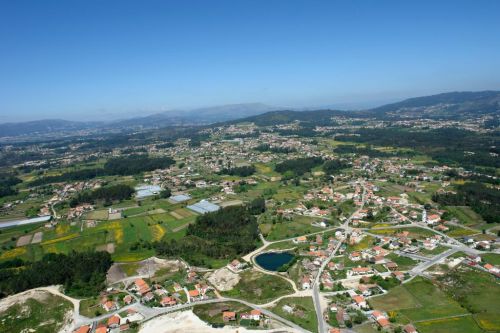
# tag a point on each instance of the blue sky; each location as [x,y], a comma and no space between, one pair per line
[95,59]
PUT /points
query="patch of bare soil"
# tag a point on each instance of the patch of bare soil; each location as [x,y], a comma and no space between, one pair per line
[24,240]
[223,279]
[20,298]
[187,321]
[115,273]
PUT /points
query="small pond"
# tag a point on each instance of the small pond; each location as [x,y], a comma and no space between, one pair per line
[273,260]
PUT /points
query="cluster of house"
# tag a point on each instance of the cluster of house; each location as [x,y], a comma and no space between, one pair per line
[115,322]
[158,293]
[78,211]
[237,266]
[317,253]
[477,261]
[358,302]
[483,245]
[383,322]
[228,316]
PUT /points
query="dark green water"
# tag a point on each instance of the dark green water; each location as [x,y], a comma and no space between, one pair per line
[273,260]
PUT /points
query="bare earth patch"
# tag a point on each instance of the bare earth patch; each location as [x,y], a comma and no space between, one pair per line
[223,279]
[110,248]
[187,321]
[176,215]
[24,240]
[37,237]
[20,298]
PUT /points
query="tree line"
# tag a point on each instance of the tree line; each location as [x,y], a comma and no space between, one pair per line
[273,149]
[445,145]
[122,166]
[107,194]
[242,171]
[225,234]
[82,274]
[298,166]
[482,199]
[7,183]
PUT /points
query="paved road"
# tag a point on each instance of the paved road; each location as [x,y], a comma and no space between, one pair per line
[420,268]
[150,313]
[412,255]
[322,325]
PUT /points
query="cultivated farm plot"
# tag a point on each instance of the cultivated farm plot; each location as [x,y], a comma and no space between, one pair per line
[24,240]
[434,302]
[181,213]
[37,237]
[464,324]
[98,215]
[428,307]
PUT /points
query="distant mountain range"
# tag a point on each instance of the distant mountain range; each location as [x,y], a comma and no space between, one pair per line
[199,116]
[453,105]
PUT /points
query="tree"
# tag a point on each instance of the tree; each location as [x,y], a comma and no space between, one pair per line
[165,193]
[257,206]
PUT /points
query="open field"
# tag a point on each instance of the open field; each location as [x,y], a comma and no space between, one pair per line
[478,292]
[27,312]
[298,226]
[304,313]
[404,263]
[491,258]
[465,215]
[434,302]
[122,233]
[212,313]
[365,243]
[259,288]
[415,232]
[398,298]
[418,300]
[465,324]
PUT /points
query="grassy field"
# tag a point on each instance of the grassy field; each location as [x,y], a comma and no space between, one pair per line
[464,324]
[398,298]
[366,328]
[212,313]
[404,263]
[491,258]
[281,230]
[418,300]
[415,232]
[434,302]
[430,253]
[42,315]
[478,292]
[365,243]
[304,314]
[259,288]
[458,232]
[119,235]
[465,215]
